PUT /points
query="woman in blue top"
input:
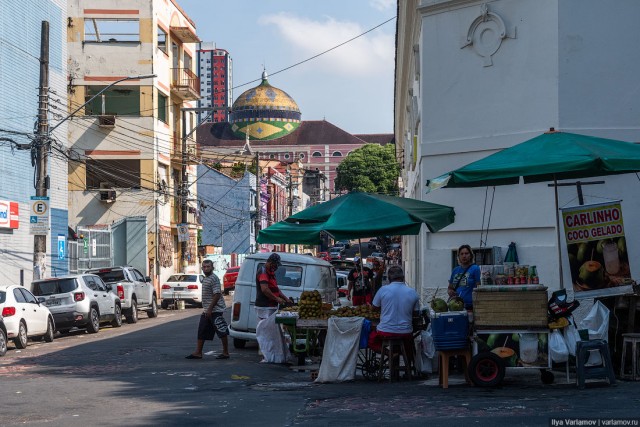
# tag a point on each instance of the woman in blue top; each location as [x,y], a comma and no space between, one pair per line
[465,277]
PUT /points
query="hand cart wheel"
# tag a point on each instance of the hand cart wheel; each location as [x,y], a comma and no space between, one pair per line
[486,369]
[546,376]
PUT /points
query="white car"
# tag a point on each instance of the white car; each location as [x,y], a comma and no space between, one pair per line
[24,317]
[182,287]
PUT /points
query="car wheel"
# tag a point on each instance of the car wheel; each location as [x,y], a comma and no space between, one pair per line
[117,318]
[21,340]
[94,321]
[3,343]
[238,343]
[132,315]
[153,312]
[48,337]
[164,304]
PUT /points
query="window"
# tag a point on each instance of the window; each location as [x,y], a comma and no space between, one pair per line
[123,173]
[90,281]
[337,154]
[28,296]
[162,40]
[186,62]
[287,275]
[302,156]
[119,100]
[140,278]
[163,114]
[112,30]
[287,156]
[18,295]
[316,154]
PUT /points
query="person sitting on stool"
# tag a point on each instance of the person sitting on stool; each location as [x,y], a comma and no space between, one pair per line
[397,303]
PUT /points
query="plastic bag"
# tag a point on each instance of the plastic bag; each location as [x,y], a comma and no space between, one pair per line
[597,322]
[428,362]
[571,337]
[558,350]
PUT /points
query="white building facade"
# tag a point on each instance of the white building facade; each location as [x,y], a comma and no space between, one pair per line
[474,77]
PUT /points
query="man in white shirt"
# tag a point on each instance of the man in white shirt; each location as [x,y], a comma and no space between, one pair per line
[397,303]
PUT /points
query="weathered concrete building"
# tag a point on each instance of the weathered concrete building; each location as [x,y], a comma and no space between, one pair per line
[128,141]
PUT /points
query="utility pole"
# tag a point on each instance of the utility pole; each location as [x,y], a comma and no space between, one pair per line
[258,188]
[42,150]
[184,190]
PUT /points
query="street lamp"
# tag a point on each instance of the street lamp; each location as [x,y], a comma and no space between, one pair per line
[144,76]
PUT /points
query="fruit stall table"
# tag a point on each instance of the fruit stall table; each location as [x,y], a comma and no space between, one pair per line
[306,334]
[510,330]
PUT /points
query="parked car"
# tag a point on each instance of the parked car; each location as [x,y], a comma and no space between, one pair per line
[136,292]
[343,265]
[24,316]
[372,243]
[229,279]
[79,301]
[379,255]
[3,337]
[296,274]
[182,287]
[344,243]
[324,255]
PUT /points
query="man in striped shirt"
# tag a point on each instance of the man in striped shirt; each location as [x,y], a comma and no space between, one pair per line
[211,320]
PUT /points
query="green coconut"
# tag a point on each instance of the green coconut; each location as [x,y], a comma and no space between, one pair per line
[439,305]
[456,304]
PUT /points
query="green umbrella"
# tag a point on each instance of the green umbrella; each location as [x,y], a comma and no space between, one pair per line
[548,157]
[357,215]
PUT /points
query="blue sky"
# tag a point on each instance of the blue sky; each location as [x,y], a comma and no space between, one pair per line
[351,87]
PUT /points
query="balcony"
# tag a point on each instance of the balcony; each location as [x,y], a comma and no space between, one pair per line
[185,84]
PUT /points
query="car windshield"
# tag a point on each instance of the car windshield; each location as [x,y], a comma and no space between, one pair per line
[110,276]
[183,278]
[58,286]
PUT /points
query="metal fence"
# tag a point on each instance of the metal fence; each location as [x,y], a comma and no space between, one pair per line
[93,250]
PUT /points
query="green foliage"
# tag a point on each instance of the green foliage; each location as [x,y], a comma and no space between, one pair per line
[237,170]
[217,166]
[371,168]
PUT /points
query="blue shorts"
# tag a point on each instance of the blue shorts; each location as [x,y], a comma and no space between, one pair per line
[208,328]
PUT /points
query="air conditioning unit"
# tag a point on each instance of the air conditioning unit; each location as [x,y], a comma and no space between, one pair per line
[108,122]
[107,193]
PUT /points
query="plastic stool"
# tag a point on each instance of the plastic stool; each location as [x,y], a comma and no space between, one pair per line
[393,348]
[604,370]
[444,365]
[634,340]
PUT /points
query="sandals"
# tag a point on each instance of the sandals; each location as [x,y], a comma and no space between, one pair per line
[222,356]
[191,356]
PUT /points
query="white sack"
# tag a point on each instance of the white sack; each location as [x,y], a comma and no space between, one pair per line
[271,341]
[571,337]
[428,361]
[340,354]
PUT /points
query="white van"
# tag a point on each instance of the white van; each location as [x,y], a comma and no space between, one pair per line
[296,274]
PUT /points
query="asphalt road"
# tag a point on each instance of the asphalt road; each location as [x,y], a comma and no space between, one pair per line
[137,376]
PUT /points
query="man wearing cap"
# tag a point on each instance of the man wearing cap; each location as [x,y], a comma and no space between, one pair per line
[268,295]
[359,281]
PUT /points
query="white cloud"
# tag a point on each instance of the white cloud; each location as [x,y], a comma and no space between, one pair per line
[370,54]
[382,4]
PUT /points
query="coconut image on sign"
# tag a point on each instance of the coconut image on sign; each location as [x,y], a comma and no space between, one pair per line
[596,247]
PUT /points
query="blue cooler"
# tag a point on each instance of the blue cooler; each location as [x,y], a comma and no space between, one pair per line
[450,330]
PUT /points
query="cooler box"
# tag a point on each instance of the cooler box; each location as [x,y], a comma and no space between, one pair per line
[450,330]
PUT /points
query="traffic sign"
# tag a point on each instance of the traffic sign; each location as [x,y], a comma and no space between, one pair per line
[62,246]
[39,217]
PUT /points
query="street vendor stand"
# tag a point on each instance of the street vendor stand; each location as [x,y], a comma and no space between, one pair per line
[306,335]
[510,330]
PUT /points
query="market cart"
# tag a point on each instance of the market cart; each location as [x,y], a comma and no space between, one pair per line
[307,335]
[510,330]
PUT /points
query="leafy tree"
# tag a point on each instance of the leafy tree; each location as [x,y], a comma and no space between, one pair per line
[372,168]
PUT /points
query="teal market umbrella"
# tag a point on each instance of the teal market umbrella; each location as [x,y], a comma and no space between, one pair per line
[551,156]
[357,215]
